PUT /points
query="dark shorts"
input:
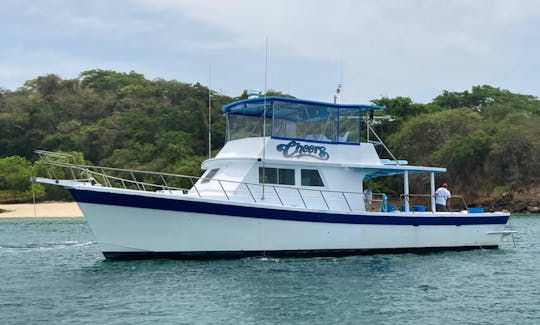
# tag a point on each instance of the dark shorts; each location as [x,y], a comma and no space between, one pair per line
[441,208]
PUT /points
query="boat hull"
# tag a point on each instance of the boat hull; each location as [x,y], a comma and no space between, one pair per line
[132,225]
[281,254]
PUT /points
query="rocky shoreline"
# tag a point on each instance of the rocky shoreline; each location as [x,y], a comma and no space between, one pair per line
[514,202]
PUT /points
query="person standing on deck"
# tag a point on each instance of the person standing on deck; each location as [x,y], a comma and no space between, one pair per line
[442,198]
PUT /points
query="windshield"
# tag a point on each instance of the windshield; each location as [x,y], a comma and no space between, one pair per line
[295,119]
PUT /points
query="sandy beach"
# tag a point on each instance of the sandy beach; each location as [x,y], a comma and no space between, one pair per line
[41,210]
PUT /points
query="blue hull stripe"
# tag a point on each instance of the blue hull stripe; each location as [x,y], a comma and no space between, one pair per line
[139,201]
[284,253]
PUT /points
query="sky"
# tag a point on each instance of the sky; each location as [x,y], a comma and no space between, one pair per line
[376,48]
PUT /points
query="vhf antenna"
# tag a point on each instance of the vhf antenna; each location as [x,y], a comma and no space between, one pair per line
[337,96]
[209,111]
[264,115]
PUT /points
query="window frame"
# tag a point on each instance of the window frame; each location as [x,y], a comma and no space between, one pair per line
[211,173]
[318,174]
[279,174]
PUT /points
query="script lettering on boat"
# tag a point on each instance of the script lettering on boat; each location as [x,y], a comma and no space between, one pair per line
[295,149]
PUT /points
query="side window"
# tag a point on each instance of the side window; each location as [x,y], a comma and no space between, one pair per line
[269,176]
[210,175]
[311,177]
[276,176]
[286,176]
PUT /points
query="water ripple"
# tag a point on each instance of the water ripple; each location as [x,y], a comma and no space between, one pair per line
[53,272]
[43,246]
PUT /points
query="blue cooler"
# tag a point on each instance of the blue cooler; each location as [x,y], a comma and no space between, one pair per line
[476,210]
[419,208]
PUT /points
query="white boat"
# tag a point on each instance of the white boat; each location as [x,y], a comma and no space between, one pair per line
[290,184]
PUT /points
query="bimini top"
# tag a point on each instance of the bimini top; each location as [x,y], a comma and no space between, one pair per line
[299,119]
[255,106]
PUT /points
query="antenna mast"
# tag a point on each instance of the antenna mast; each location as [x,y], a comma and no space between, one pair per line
[264,116]
[209,111]
[337,96]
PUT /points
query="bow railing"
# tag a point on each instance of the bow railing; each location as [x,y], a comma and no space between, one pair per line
[66,167]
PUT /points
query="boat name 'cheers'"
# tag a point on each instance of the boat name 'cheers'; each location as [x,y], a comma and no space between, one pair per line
[295,149]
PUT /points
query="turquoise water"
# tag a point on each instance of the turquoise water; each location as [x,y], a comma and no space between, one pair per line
[52,272]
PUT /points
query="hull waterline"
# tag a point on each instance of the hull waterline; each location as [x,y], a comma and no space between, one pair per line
[141,226]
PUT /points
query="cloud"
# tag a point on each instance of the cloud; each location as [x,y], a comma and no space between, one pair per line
[414,48]
[319,29]
[394,46]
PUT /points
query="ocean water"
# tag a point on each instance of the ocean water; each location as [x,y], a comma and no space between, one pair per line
[51,272]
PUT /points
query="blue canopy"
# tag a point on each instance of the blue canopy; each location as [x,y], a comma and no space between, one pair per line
[255,107]
[382,172]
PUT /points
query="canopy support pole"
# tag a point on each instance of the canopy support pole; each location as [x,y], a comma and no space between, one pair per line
[432,190]
[406,190]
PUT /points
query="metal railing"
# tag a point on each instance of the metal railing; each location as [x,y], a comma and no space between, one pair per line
[64,166]
[424,200]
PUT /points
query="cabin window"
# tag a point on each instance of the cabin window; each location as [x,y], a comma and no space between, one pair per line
[349,125]
[276,176]
[210,175]
[311,177]
[246,126]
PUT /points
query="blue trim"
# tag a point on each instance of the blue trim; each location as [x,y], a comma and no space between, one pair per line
[382,171]
[206,255]
[260,100]
[317,141]
[139,201]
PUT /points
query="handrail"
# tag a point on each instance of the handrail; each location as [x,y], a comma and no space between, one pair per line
[303,201]
[195,187]
[277,194]
[408,196]
[322,195]
[347,201]
[131,178]
[88,168]
[250,193]
[223,189]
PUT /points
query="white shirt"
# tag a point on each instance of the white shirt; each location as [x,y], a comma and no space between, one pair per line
[441,195]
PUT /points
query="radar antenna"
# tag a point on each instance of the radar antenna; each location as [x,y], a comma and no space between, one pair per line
[337,96]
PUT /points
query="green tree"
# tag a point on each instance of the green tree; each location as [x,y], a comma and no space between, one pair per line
[108,80]
[515,153]
[420,137]
[15,181]
[401,107]
[480,97]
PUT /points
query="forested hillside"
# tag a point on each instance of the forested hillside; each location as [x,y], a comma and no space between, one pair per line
[114,119]
[488,138]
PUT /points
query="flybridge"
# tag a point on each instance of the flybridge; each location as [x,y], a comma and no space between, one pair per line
[289,118]
[255,106]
